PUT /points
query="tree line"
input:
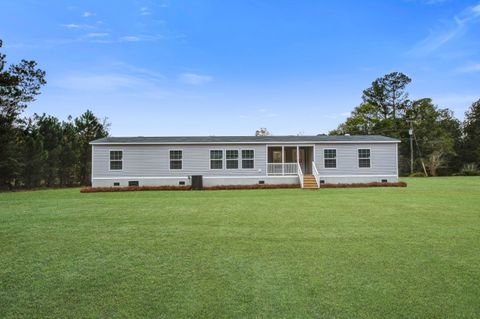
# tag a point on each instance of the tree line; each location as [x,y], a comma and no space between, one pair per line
[40,150]
[439,143]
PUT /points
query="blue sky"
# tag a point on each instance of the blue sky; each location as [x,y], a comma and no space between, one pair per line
[229,67]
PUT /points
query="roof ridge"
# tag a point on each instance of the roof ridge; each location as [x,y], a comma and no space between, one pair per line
[243,139]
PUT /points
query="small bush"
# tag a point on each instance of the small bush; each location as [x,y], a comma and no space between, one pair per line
[255,186]
[360,185]
[182,188]
[469,170]
[133,189]
[231,187]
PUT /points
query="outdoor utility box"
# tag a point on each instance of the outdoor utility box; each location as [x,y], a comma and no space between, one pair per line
[197,181]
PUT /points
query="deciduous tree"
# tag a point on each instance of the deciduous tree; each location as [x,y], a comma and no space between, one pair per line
[471,130]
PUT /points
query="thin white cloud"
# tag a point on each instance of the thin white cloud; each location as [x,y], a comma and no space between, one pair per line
[87,14]
[448,31]
[470,68]
[71,26]
[144,11]
[97,82]
[141,37]
[96,35]
[140,72]
[272,115]
[74,26]
[109,83]
[427,2]
[20,45]
[194,79]
[130,38]
[106,38]
[458,102]
[476,9]
[432,1]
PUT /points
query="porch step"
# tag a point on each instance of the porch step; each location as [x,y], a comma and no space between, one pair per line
[309,182]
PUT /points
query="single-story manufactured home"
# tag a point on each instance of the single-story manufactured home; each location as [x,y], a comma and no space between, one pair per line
[243,160]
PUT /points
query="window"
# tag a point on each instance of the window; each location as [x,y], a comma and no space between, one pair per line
[232,159]
[176,159]
[216,159]
[364,158]
[132,183]
[330,158]
[116,160]
[247,158]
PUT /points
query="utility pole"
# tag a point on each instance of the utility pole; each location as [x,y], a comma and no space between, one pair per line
[410,132]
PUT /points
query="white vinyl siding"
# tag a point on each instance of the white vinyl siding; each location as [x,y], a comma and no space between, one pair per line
[154,161]
[383,159]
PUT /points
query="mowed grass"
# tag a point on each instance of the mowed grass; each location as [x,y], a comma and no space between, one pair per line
[334,253]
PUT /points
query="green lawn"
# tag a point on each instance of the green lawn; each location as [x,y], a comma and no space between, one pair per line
[346,253]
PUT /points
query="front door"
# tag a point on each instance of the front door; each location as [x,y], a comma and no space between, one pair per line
[305,157]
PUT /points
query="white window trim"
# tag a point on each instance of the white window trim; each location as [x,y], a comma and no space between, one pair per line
[169,160]
[358,157]
[109,160]
[238,158]
[324,158]
[248,159]
[210,159]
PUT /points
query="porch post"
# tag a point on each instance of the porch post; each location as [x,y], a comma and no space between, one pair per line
[298,156]
[283,160]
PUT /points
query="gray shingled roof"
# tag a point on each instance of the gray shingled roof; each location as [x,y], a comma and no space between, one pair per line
[243,139]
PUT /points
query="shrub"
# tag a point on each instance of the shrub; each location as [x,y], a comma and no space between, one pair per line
[182,188]
[133,189]
[255,186]
[231,187]
[469,170]
[359,185]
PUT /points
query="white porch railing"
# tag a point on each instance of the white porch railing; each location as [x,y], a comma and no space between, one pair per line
[300,175]
[316,174]
[290,168]
[282,168]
